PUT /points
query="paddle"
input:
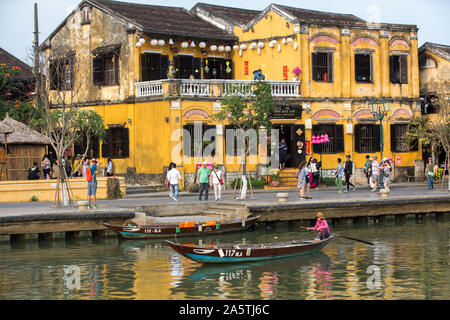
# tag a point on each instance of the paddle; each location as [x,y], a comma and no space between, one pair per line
[345,237]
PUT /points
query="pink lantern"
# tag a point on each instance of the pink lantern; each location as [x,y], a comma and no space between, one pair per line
[209,166]
[390,160]
[326,138]
[313,140]
[399,159]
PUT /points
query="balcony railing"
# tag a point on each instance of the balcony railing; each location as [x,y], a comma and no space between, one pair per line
[212,88]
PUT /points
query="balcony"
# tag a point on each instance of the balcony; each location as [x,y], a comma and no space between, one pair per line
[213,88]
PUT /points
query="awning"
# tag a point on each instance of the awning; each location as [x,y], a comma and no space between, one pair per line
[112,48]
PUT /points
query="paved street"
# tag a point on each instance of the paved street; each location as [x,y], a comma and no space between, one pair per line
[328,194]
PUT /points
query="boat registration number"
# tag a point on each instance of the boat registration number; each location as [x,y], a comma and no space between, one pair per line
[155,230]
[229,253]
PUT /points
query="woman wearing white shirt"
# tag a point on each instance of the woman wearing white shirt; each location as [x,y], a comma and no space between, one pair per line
[216,182]
[173,177]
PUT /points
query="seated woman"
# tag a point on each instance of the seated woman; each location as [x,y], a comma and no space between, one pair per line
[321,226]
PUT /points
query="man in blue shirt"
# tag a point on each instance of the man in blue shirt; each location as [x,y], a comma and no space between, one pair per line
[92,185]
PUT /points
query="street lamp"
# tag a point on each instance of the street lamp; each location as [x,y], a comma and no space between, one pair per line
[380,109]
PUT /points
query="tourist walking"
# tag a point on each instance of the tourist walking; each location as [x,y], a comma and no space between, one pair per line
[429,173]
[68,166]
[109,167]
[302,172]
[386,170]
[217,182]
[203,180]
[375,173]
[85,166]
[315,174]
[173,178]
[339,175]
[283,153]
[91,176]
[77,166]
[33,172]
[323,231]
[367,168]
[348,171]
[46,166]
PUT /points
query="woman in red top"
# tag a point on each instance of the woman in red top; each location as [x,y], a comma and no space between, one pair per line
[323,231]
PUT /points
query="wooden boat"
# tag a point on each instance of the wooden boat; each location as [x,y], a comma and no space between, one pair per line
[248,252]
[167,231]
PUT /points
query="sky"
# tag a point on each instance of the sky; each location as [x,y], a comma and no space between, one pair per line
[431,16]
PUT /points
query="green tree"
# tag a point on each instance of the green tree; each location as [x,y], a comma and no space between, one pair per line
[247,108]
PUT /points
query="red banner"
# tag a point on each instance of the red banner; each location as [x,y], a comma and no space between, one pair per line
[308,147]
[285,75]
[246,67]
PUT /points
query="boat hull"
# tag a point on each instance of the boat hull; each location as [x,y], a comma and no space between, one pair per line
[168,231]
[249,253]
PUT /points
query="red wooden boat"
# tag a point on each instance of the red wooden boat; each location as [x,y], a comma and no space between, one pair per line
[167,231]
[248,252]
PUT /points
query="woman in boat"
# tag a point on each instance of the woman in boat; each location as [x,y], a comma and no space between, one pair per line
[323,231]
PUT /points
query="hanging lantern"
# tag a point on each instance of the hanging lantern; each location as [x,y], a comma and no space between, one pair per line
[193,44]
[240,52]
[141,41]
[221,48]
[235,47]
[279,47]
[289,40]
[138,44]
[283,41]
[227,48]
[184,44]
[161,42]
[170,41]
[313,139]
[243,46]
[295,45]
[213,47]
[326,138]
[253,45]
[261,44]
[154,42]
[259,51]
[399,160]
[202,45]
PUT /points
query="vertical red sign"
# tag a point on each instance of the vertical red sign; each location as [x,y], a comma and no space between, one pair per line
[285,75]
[308,147]
[245,67]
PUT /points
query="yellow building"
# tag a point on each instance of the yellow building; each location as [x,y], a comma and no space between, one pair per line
[152,72]
[434,70]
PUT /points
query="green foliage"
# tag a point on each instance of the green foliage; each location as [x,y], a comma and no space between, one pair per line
[34,198]
[256,184]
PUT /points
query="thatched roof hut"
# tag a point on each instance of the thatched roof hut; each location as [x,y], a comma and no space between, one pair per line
[24,146]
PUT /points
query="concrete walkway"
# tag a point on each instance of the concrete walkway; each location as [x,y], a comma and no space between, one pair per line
[261,197]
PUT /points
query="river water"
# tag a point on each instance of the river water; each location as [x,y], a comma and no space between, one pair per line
[408,261]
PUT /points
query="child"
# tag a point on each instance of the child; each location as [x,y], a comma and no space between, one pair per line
[321,226]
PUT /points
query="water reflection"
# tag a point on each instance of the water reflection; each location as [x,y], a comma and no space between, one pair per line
[412,260]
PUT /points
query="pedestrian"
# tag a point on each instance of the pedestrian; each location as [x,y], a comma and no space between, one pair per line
[386,170]
[429,173]
[85,166]
[203,180]
[301,179]
[68,166]
[323,231]
[77,166]
[308,177]
[217,182]
[46,166]
[348,171]
[91,176]
[283,153]
[173,178]
[315,174]
[367,168]
[375,173]
[33,172]
[109,167]
[55,170]
[339,175]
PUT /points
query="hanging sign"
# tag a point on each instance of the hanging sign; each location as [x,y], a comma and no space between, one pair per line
[285,73]
[246,68]
[308,147]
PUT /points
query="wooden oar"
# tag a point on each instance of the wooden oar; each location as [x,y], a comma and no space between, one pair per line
[345,237]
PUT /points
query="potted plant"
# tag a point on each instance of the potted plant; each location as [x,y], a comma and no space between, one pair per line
[297,71]
[275,177]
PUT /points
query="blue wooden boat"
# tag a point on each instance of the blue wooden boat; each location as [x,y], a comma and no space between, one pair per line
[248,252]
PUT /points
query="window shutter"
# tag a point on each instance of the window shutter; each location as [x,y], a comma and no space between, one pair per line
[340,145]
[391,69]
[144,75]
[376,136]
[116,68]
[176,60]
[393,139]
[125,142]
[357,138]
[314,65]
[106,144]
[197,68]
[98,70]
[187,141]
[330,67]
[53,77]
[371,69]
[164,66]
[403,69]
